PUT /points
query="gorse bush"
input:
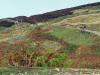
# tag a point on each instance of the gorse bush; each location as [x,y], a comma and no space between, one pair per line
[57,61]
[68,63]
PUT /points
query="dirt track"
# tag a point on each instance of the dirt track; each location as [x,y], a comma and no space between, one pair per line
[94,32]
[79,72]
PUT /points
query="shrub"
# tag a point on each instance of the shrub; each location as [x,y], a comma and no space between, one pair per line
[68,63]
[57,61]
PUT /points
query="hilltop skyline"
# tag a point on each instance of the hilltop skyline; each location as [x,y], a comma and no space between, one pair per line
[13,8]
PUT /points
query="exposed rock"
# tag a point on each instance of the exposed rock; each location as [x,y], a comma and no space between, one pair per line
[7,22]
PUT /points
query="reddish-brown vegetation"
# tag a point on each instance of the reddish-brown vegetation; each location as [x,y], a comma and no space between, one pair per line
[37,35]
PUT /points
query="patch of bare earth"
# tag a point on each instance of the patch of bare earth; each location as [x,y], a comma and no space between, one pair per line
[79,72]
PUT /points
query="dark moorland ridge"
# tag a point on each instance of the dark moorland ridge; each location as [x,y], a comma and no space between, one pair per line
[42,17]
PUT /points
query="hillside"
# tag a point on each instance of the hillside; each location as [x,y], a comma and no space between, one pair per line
[52,39]
[50,15]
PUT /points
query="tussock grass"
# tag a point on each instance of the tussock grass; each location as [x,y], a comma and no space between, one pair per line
[74,36]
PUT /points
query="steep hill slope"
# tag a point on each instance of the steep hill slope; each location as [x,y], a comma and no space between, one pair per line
[53,39]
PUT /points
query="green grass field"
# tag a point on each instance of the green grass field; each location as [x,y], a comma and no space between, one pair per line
[75,36]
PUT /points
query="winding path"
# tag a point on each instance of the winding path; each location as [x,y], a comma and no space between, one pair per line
[95,32]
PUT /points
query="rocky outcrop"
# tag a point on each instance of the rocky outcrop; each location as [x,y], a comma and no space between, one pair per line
[7,22]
